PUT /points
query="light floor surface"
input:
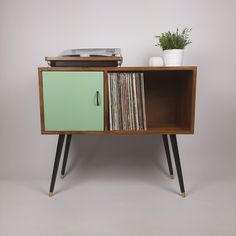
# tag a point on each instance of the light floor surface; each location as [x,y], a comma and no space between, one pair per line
[123,196]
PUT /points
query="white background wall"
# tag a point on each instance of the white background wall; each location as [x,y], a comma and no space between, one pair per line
[31,30]
[117,185]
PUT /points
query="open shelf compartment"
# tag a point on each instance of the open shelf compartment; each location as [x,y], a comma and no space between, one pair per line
[169,100]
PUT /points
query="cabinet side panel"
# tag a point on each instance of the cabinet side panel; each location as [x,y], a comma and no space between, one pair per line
[40,81]
[193,100]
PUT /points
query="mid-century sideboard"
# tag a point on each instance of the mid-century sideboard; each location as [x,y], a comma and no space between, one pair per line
[74,100]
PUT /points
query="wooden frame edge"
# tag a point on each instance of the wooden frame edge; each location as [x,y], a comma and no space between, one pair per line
[122,132]
[105,93]
[41,103]
[193,100]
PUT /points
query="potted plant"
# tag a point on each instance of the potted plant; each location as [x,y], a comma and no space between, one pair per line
[173,44]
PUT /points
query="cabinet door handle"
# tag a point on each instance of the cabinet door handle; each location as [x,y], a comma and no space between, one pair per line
[98,98]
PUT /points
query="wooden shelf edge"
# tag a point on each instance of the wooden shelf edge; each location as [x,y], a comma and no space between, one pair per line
[117,69]
[97,58]
[124,132]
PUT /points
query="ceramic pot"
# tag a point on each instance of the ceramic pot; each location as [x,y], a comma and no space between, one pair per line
[156,61]
[173,57]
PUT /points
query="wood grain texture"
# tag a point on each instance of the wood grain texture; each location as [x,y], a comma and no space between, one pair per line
[194,88]
[40,81]
[74,58]
[120,69]
[106,105]
[169,93]
[126,132]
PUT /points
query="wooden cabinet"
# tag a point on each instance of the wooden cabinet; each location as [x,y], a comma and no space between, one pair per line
[68,99]
[74,100]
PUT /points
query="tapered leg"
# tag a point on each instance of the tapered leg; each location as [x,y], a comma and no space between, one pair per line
[67,148]
[167,149]
[177,163]
[56,163]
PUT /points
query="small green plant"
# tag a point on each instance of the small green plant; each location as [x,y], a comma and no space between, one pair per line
[174,40]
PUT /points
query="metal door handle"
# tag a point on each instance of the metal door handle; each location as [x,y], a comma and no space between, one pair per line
[98,98]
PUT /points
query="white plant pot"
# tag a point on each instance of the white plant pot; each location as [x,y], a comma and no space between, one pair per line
[173,57]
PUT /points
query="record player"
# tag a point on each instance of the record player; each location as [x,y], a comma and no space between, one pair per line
[97,57]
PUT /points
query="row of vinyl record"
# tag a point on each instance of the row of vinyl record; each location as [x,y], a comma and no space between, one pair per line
[126,101]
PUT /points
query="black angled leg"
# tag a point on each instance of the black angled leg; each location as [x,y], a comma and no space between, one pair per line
[56,163]
[177,163]
[167,149]
[67,148]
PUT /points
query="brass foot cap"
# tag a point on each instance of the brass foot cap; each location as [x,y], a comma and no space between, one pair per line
[50,194]
[172,176]
[62,176]
[183,194]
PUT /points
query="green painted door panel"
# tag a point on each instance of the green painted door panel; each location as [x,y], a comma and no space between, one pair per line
[70,101]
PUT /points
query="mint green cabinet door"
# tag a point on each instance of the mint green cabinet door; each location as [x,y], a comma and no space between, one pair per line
[73,101]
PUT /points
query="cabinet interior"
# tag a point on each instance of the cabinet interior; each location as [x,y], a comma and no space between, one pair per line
[168,99]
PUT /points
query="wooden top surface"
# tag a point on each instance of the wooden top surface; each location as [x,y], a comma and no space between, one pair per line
[75,58]
[136,68]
